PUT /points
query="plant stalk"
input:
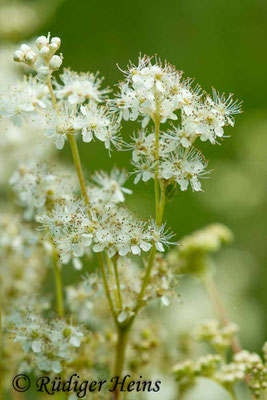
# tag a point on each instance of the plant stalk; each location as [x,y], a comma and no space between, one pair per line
[116,271]
[159,210]
[78,166]
[112,280]
[106,287]
[120,355]
[59,286]
[214,296]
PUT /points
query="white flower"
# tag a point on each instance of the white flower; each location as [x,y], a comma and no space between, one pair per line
[70,227]
[184,167]
[21,100]
[160,236]
[58,219]
[226,106]
[60,124]
[112,184]
[96,120]
[157,91]
[51,344]
[34,185]
[73,245]
[152,88]
[79,87]
[120,232]
[144,170]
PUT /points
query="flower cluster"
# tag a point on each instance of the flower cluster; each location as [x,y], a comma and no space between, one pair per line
[156,92]
[42,57]
[220,337]
[187,371]
[108,227]
[164,283]
[37,187]
[78,95]
[192,255]
[70,228]
[79,87]
[20,101]
[90,121]
[150,89]
[108,189]
[244,365]
[49,343]
[176,165]
[25,258]
[144,346]
[97,121]
[80,298]
[116,231]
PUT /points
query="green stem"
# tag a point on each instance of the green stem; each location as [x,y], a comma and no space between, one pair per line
[73,145]
[159,205]
[115,264]
[111,279]
[214,296]
[77,162]
[162,201]
[232,394]
[58,281]
[120,355]
[52,94]
[152,251]
[146,279]
[157,131]
[106,287]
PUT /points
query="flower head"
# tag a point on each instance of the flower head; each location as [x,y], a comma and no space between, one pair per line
[21,99]
[70,227]
[112,184]
[80,87]
[60,123]
[50,344]
[95,120]
[160,236]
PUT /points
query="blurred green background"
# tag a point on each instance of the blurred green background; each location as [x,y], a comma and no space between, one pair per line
[222,44]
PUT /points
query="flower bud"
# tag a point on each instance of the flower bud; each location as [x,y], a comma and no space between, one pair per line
[56,41]
[53,47]
[18,56]
[30,57]
[41,41]
[25,48]
[55,63]
[44,52]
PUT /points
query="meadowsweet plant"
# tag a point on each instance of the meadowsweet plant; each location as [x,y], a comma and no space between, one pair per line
[69,217]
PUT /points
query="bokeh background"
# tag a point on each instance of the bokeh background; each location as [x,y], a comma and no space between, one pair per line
[221,44]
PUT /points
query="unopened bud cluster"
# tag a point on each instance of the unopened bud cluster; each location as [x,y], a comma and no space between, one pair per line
[192,254]
[43,57]
[243,366]
[219,337]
